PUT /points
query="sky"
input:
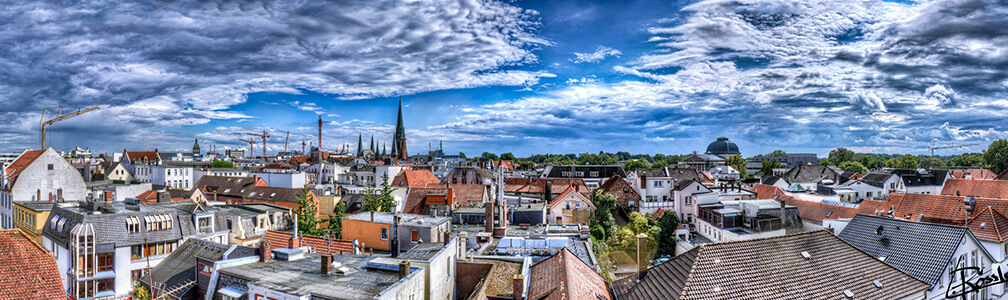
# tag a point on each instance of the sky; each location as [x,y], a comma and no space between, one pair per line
[558,76]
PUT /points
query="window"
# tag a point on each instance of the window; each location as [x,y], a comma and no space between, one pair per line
[414,236]
[50,167]
[593,174]
[205,269]
[106,261]
[657,183]
[205,224]
[384,233]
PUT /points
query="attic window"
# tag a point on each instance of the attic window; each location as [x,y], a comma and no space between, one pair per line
[806,255]
[983,225]
[251,194]
[877,284]
[829,214]
[50,167]
[273,194]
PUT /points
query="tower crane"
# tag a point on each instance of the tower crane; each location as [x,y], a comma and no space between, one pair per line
[59,117]
[251,145]
[933,147]
[264,136]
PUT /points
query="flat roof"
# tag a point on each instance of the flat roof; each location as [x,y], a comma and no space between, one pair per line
[303,277]
[407,219]
[36,205]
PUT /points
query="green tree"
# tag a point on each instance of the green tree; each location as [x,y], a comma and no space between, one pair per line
[876,163]
[306,212]
[222,164]
[853,166]
[488,155]
[826,162]
[739,164]
[635,164]
[967,160]
[507,156]
[768,166]
[931,162]
[908,161]
[379,200]
[605,204]
[336,220]
[666,238]
[778,153]
[996,156]
[892,163]
[462,155]
[840,155]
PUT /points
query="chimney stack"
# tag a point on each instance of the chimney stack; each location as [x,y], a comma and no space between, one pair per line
[394,238]
[519,287]
[549,191]
[489,218]
[642,261]
[326,266]
[404,269]
[265,251]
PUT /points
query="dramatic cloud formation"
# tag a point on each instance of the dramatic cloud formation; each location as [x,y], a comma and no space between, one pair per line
[601,53]
[189,62]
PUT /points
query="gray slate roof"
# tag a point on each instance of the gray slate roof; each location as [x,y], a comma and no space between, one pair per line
[179,267]
[876,179]
[803,173]
[920,249]
[772,268]
[111,228]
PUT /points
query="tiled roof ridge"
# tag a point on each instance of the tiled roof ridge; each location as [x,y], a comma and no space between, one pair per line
[994,214]
[791,235]
[18,230]
[914,222]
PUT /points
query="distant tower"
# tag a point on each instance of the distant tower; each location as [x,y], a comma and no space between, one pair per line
[320,133]
[360,145]
[400,136]
[373,149]
[195,148]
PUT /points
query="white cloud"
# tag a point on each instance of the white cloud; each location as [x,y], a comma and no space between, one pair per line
[602,52]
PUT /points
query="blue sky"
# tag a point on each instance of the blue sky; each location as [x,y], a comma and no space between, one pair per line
[523,77]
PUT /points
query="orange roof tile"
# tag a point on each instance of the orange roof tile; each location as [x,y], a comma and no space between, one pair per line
[976,174]
[565,276]
[618,187]
[764,191]
[977,188]
[22,162]
[142,155]
[415,178]
[988,224]
[27,271]
[929,208]
[538,185]
[570,191]
[416,201]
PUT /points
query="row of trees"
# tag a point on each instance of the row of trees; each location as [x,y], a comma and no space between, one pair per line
[994,157]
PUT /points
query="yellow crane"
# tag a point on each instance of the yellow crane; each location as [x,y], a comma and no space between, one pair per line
[59,117]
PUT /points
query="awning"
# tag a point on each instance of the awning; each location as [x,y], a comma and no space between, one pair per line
[233,292]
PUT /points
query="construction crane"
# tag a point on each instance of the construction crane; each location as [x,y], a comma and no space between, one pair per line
[264,136]
[59,117]
[251,145]
[286,140]
[933,147]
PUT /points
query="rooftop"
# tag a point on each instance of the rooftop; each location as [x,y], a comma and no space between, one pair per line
[386,218]
[26,270]
[303,277]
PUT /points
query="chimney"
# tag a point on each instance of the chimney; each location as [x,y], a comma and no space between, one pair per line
[394,238]
[642,261]
[489,217]
[326,266]
[255,179]
[549,191]
[404,269]
[265,251]
[294,242]
[783,213]
[445,238]
[519,287]
[372,216]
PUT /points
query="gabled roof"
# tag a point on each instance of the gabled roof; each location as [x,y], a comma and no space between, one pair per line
[279,239]
[921,249]
[565,276]
[22,162]
[803,173]
[764,191]
[416,200]
[877,179]
[1002,176]
[773,268]
[821,211]
[769,180]
[927,208]
[27,271]
[618,187]
[570,192]
[226,184]
[538,185]
[973,173]
[978,188]
[415,178]
[988,224]
[467,195]
[133,156]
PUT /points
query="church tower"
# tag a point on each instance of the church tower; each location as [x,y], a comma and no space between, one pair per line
[399,145]
[196,148]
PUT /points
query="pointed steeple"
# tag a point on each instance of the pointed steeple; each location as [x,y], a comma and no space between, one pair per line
[373,149]
[383,149]
[400,131]
[360,145]
[399,140]
[395,150]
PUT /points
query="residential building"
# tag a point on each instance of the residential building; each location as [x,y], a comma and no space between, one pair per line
[626,195]
[30,217]
[592,175]
[810,177]
[469,175]
[889,183]
[564,276]
[991,228]
[926,208]
[969,173]
[785,267]
[173,175]
[415,179]
[102,248]
[321,245]
[27,271]
[755,164]
[656,187]
[438,265]
[922,181]
[854,191]
[248,222]
[740,220]
[725,173]
[38,175]
[292,180]
[529,187]
[237,190]
[570,208]
[377,230]
[933,253]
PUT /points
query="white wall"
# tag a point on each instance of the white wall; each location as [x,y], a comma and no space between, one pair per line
[38,178]
[965,249]
[716,234]
[122,271]
[290,181]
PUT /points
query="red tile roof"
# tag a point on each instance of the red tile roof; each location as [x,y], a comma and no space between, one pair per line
[1000,205]
[27,271]
[415,178]
[565,276]
[618,187]
[22,162]
[416,201]
[819,211]
[988,224]
[319,245]
[468,195]
[570,191]
[1002,176]
[764,191]
[977,174]
[977,188]
[142,155]
[538,185]
[929,208]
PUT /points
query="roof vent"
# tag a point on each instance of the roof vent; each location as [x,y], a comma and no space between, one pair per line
[849,294]
[877,284]
[806,255]
[983,225]
[879,230]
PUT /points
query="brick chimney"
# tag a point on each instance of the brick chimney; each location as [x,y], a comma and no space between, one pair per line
[642,261]
[404,269]
[265,251]
[326,266]
[519,287]
[489,217]
[294,242]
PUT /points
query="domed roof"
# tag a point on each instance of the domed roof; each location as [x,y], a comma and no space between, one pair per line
[722,146]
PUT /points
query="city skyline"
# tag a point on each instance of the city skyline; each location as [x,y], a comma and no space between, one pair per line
[525,77]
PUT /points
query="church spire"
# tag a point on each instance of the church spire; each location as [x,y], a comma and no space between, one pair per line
[360,144]
[399,140]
